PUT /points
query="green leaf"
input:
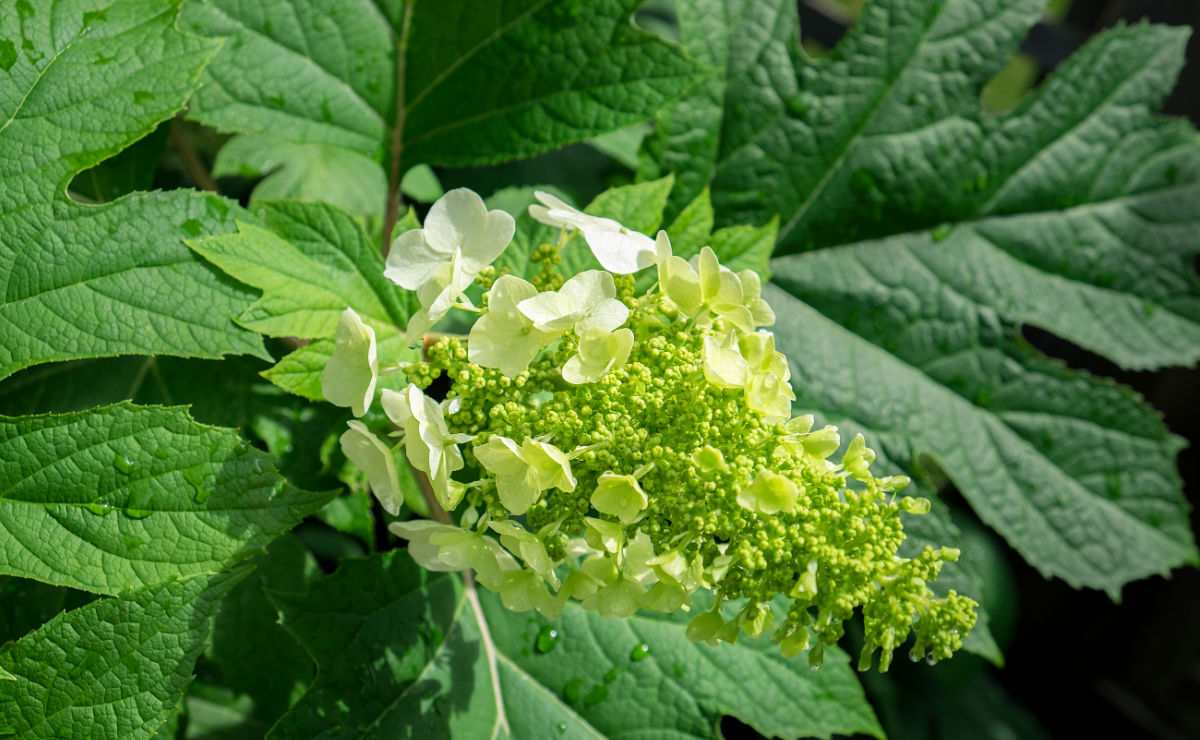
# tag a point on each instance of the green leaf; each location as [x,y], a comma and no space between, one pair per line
[1076,211]
[746,247]
[116,668]
[312,261]
[421,184]
[306,172]
[1076,473]
[247,622]
[691,229]
[89,281]
[220,392]
[404,652]
[122,497]
[401,84]
[622,144]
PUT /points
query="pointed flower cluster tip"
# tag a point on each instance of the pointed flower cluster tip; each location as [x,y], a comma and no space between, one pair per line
[629,451]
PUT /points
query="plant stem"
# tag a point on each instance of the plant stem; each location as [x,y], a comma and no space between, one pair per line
[192,165]
[396,152]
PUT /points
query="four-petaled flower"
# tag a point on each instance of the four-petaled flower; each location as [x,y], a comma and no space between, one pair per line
[428,443]
[460,238]
[586,301]
[523,471]
[505,338]
[620,250]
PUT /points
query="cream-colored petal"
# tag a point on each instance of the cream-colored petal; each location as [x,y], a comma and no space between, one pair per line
[376,461]
[455,219]
[413,261]
[619,250]
[352,371]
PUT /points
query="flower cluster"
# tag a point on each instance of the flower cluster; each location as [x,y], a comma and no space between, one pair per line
[630,451]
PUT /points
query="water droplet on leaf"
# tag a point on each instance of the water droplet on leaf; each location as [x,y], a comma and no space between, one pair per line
[612,674]
[546,639]
[192,227]
[941,232]
[561,727]
[573,691]
[640,652]
[124,463]
[98,508]
[598,694]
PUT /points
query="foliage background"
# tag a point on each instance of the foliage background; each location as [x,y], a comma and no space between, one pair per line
[1076,663]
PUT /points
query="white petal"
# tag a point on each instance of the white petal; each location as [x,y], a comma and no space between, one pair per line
[413,261]
[605,316]
[483,249]
[549,312]
[457,218]
[351,373]
[588,288]
[619,250]
[375,460]
[499,341]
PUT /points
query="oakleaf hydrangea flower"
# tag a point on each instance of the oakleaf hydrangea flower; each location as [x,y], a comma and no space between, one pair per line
[460,238]
[600,352]
[350,375]
[586,301]
[428,442]
[626,451]
[523,471]
[505,338]
[619,250]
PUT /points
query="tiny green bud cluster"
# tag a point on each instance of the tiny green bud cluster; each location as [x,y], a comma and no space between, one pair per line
[628,452]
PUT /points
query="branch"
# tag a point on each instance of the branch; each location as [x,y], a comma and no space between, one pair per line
[396,152]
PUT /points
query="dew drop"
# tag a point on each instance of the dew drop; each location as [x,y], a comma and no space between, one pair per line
[138,505]
[612,674]
[598,694]
[124,463]
[546,639]
[561,727]
[640,652]
[97,508]
[195,478]
[941,232]
[573,691]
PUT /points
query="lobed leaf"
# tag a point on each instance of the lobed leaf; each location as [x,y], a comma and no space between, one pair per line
[122,497]
[116,668]
[931,232]
[403,651]
[91,78]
